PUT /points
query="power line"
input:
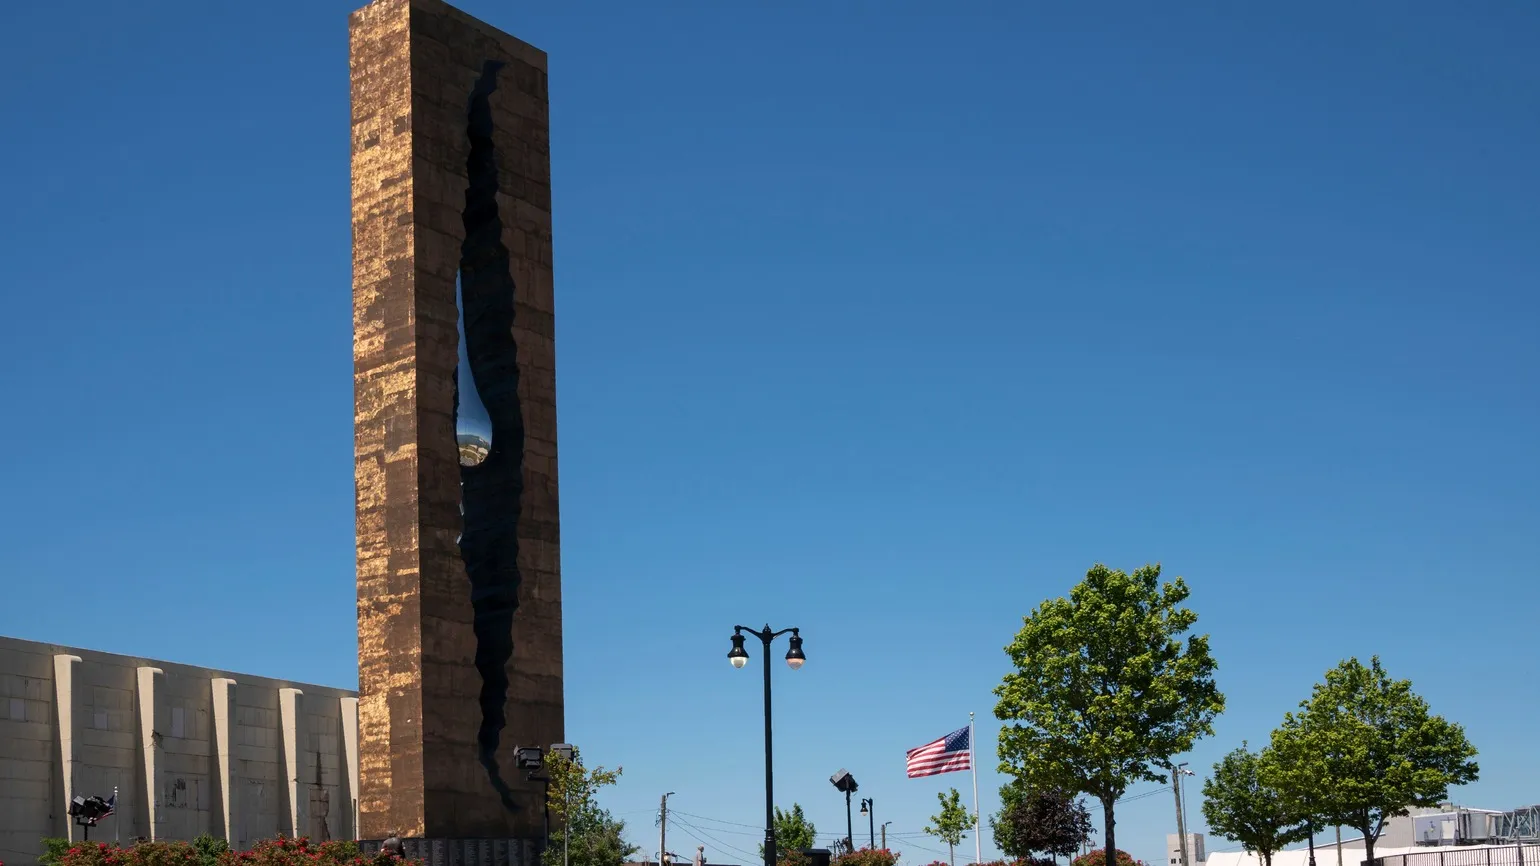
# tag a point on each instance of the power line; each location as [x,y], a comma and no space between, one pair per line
[739,851]
[720,821]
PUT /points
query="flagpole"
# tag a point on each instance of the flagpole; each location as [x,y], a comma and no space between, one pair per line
[117,826]
[978,845]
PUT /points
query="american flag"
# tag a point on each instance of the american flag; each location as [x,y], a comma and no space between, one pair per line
[949,754]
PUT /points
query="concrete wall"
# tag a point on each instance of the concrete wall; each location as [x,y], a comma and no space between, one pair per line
[188,750]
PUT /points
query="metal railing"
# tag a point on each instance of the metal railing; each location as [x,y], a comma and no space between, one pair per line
[1505,855]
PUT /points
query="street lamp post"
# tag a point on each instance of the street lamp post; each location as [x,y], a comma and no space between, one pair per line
[846,784]
[794,659]
[871,821]
[850,835]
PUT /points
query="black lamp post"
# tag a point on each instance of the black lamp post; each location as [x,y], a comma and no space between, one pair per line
[846,784]
[794,659]
[871,822]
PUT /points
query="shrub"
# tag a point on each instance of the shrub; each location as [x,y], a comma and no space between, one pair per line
[53,851]
[1098,857]
[867,857]
[284,851]
[208,851]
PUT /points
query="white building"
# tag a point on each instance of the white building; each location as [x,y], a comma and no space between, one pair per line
[1415,855]
[1410,840]
[188,750]
[1195,852]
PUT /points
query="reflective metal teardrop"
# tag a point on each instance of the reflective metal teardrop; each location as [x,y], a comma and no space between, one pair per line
[473,426]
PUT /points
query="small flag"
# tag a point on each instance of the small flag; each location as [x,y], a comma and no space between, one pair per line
[111,804]
[949,754]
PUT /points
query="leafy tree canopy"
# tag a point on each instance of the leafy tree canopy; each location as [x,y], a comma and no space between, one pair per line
[1105,690]
[593,836]
[1035,821]
[1365,748]
[952,823]
[793,832]
[1239,807]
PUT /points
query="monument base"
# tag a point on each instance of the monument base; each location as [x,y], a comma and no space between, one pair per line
[466,852]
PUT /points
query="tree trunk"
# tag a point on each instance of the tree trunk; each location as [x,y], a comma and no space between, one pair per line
[951,853]
[1267,858]
[1108,822]
[1369,845]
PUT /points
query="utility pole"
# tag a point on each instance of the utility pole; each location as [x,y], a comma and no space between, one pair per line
[663,829]
[885,834]
[1181,831]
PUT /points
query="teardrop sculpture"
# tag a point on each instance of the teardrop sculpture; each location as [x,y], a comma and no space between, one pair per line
[473,426]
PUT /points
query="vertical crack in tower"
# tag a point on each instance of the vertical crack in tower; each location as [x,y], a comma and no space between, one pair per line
[491,490]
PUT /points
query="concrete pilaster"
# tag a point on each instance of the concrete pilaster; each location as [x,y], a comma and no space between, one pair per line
[349,714]
[288,722]
[149,696]
[64,667]
[223,705]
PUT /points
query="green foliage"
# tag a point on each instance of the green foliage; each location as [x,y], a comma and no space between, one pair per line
[53,851]
[142,854]
[573,786]
[210,849]
[793,833]
[1105,691]
[867,857]
[284,851]
[593,836]
[952,823]
[1363,749]
[1238,806]
[1099,856]
[787,856]
[1035,821]
[597,839]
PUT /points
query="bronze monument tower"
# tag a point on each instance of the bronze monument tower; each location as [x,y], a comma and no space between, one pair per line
[459,567]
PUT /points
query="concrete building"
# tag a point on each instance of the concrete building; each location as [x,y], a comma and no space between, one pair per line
[1414,855]
[188,750]
[1195,852]
[1414,839]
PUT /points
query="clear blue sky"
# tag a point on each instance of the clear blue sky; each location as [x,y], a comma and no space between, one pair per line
[886,322]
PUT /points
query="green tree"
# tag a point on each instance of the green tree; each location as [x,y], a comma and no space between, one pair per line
[793,832]
[1239,807]
[53,851]
[951,824]
[590,835]
[1105,691]
[1035,821]
[210,849]
[1363,749]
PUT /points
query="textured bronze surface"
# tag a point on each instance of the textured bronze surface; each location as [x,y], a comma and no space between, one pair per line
[414,65]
